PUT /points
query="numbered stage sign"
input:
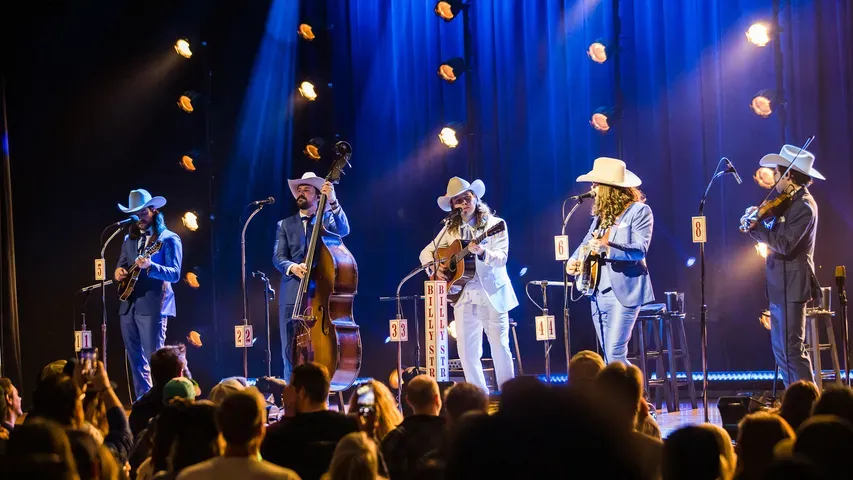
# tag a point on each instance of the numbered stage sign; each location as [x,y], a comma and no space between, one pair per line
[545,328]
[561,247]
[435,300]
[399,330]
[698,228]
[100,272]
[243,336]
[82,339]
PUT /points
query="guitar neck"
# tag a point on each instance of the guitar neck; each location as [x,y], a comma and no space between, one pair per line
[464,252]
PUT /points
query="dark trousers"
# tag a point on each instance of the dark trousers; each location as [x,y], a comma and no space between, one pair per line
[788,343]
[285,324]
[143,335]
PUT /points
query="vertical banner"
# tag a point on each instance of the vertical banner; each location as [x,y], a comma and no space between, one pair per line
[435,300]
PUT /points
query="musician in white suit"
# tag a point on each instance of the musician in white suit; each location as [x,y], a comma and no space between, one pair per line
[486,300]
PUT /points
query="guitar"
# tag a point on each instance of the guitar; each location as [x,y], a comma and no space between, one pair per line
[125,287]
[458,265]
[589,274]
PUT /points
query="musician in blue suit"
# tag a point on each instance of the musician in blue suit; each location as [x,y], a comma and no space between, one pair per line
[621,232]
[790,271]
[291,244]
[144,315]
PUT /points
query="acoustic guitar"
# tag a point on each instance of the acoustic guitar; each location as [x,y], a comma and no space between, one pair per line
[589,274]
[458,265]
[125,287]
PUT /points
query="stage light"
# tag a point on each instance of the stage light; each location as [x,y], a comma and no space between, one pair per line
[690,262]
[764,177]
[194,338]
[188,160]
[192,280]
[312,149]
[761,248]
[190,220]
[597,51]
[448,137]
[452,69]
[185,101]
[182,46]
[758,34]
[601,119]
[451,329]
[306,89]
[305,31]
[448,9]
[763,102]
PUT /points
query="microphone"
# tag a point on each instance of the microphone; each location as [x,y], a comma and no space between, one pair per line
[130,219]
[267,201]
[731,169]
[589,194]
[550,283]
[259,274]
[840,277]
[94,287]
[456,211]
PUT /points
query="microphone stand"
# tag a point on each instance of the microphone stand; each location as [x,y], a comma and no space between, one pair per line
[269,294]
[703,319]
[566,325]
[260,207]
[417,339]
[842,300]
[104,295]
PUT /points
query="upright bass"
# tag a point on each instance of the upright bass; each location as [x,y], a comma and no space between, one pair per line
[324,329]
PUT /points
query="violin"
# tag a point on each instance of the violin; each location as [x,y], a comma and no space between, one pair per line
[767,209]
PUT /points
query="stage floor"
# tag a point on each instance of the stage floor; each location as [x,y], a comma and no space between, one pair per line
[669,422]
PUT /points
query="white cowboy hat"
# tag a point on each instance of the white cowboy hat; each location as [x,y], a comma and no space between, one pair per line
[802,159]
[457,186]
[611,171]
[139,199]
[308,178]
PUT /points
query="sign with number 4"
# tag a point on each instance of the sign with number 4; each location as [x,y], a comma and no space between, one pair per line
[243,336]
[698,227]
[82,339]
[399,330]
[561,247]
[545,328]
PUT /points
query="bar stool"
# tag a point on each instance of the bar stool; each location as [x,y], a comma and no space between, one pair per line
[665,326]
[815,348]
[644,351]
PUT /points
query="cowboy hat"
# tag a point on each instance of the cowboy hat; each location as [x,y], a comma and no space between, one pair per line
[611,171]
[457,186]
[139,199]
[308,178]
[802,159]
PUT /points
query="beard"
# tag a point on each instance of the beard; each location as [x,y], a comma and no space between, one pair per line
[302,203]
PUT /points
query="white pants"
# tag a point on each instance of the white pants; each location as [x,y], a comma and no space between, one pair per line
[473,317]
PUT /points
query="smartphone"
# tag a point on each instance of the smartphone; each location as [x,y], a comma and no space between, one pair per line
[366,399]
[90,354]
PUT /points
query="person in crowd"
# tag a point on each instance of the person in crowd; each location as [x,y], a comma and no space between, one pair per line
[166,363]
[758,435]
[797,403]
[10,404]
[837,400]
[385,415]
[355,458]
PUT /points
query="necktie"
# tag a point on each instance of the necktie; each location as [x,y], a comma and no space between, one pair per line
[306,221]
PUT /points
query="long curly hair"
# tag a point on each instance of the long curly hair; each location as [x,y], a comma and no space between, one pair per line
[388,417]
[481,214]
[611,201]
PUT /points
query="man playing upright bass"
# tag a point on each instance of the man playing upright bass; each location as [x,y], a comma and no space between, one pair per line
[487,299]
[291,244]
[790,239]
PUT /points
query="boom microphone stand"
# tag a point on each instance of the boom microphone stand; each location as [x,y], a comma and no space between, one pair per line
[269,294]
[417,338]
[104,294]
[259,205]
[566,325]
[704,317]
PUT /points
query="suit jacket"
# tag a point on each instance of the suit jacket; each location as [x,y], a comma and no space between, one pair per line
[289,248]
[626,261]
[791,241]
[153,294]
[491,266]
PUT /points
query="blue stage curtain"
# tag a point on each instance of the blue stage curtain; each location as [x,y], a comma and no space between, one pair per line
[687,76]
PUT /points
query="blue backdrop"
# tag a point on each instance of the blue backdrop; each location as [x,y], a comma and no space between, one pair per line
[687,77]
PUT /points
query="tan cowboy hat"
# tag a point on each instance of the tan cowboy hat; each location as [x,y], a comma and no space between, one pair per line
[457,186]
[139,199]
[611,171]
[803,161]
[308,178]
